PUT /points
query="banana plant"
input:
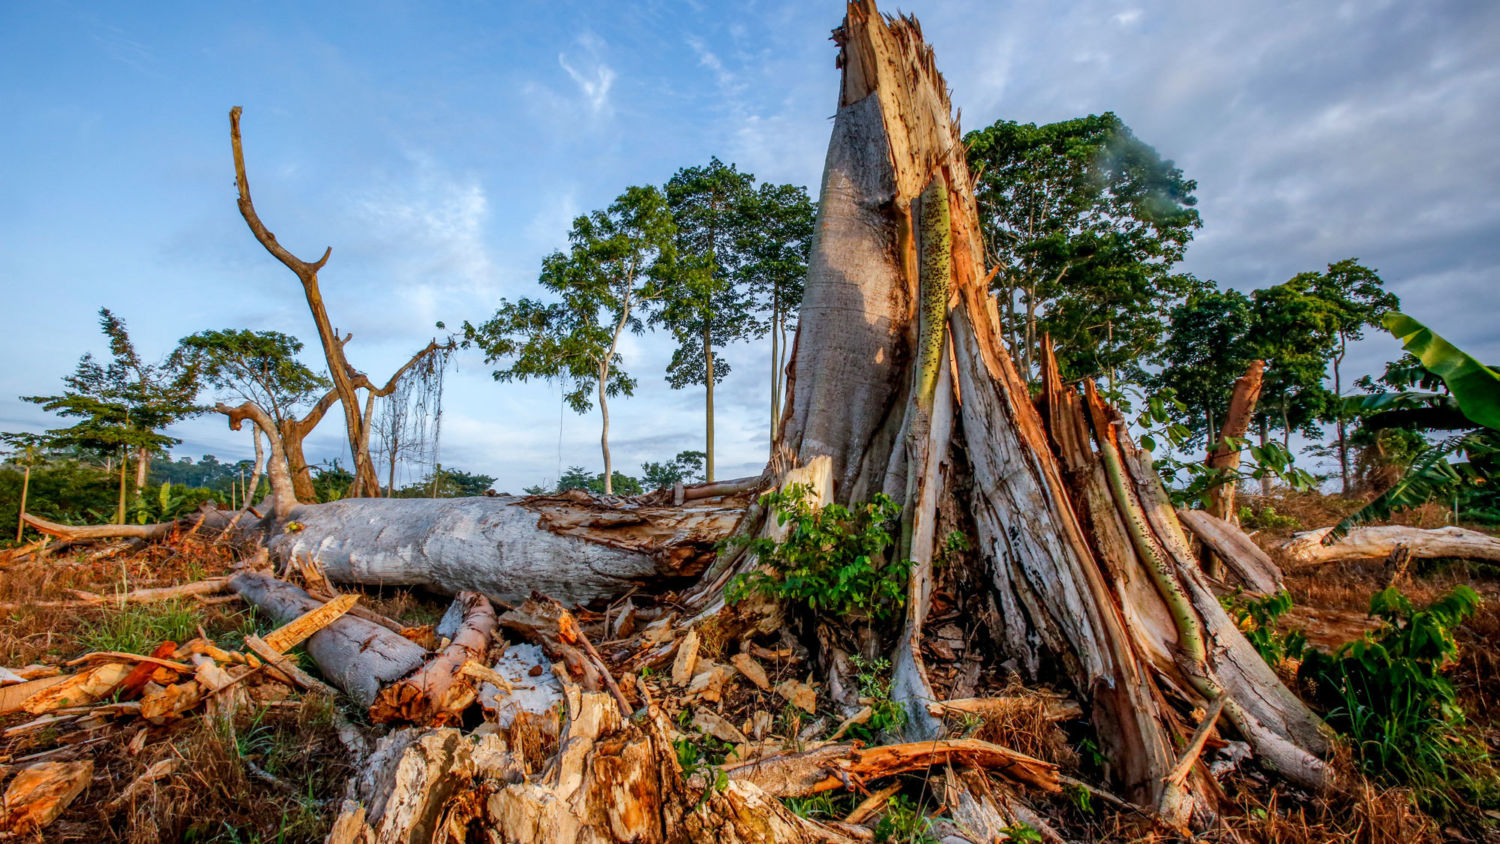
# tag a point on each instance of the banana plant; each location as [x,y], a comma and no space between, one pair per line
[1473,398]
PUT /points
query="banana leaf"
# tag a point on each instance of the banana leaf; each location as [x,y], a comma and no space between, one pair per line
[1475,386]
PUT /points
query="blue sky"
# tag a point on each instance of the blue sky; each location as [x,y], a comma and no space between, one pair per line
[441,150]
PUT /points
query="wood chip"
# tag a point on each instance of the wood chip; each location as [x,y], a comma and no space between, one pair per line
[800,695]
[15,696]
[715,725]
[292,634]
[685,664]
[747,666]
[41,792]
[78,689]
[285,667]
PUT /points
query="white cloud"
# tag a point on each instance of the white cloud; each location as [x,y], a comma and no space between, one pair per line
[596,79]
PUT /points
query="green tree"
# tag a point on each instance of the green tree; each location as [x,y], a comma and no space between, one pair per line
[1292,333]
[687,467]
[447,483]
[1355,298]
[775,241]
[1206,349]
[123,405]
[1085,222]
[702,305]
[611,270]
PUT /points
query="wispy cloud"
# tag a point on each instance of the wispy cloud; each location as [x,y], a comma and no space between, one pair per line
[595,78]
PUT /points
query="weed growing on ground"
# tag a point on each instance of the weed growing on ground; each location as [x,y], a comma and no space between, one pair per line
[1257,619]
[139,628]
[1386,692]
[886,716]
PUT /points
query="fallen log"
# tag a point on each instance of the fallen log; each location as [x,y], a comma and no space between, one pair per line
[138,596]
[357,656]
[78,532]
[572,548]
[438,692]
[1377,543]
[1229,544]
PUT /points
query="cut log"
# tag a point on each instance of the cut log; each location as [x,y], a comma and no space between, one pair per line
[438,693]
[572,548]
[1249,564]
[1377,543]
[357,656]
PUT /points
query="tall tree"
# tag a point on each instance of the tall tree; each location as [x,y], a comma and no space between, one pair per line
[281,397]
[1356,298]
[702,305]
[1293,334]
[611,271]
[1205,350]
[775,240]
[1083,222]
[123,405]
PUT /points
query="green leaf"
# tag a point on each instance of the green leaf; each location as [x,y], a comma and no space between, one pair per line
[1474,385]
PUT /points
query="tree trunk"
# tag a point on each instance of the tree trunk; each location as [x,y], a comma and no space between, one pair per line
[609,475]
[775,369]
[1222,456]
[708,402]
[899,383]
[21,513]
[568,546]
[120,508]
[283,491]
[142,466]
[1338,410]
[256,471]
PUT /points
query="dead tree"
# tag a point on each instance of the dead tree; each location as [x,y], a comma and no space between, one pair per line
[1224,455]
[347,381]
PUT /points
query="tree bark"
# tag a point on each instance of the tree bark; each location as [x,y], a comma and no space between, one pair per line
[708,402]
[1338,410]
[1225,456]
[283,492]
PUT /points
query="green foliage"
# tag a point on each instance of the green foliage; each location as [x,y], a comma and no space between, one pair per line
[1258,618]
[1387,693]
[1022,832]
[1475,389]
[687,467]
[578,477]
[1207,348]
[1085,222]
[825,805]
[1266,518]
[125,403]
[331,481]
[615,265]
[63,489]
[887,716]
[1188,481]
[168,502]
[904,823]
[833,560]
[1293,333]
[139,628]
[442,482]
[259,367]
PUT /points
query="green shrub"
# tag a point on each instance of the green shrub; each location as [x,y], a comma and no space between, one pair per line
[833,560]
[1257,619]
[1266,518]
[886,716]
[1386,692]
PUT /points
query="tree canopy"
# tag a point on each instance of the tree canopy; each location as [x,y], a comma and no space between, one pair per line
[1084,222]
